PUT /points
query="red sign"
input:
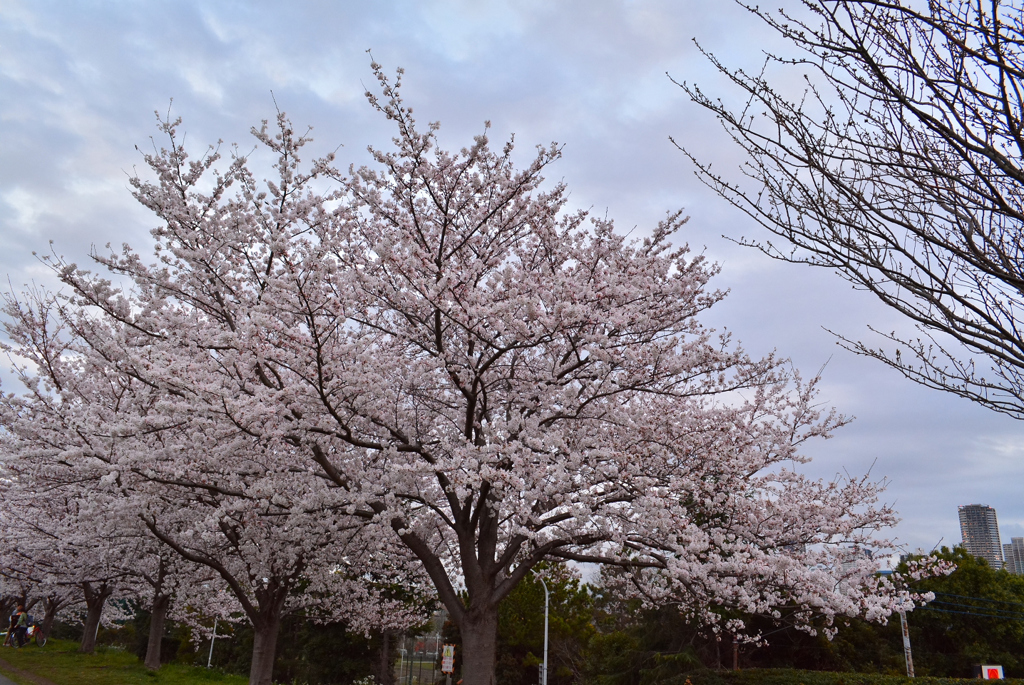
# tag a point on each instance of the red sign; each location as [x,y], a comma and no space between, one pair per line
[992,672]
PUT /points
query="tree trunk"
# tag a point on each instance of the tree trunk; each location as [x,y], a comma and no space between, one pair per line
[7,607]
[95,598]
[51,605]
[479,646]
[384,670]
[264,646]
[156,630]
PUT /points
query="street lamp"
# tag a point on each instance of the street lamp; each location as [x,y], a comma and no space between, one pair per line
[544,668]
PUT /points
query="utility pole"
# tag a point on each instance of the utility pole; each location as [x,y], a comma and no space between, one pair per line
[209,659]
[906,644]
[544,668]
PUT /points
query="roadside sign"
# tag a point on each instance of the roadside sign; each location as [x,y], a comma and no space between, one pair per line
[448,659]
[991,672]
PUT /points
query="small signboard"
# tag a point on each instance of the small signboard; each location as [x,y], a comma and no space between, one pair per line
[991,672]
[448,659]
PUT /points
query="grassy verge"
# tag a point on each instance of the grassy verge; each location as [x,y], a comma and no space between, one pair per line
[60,663]
[780,676]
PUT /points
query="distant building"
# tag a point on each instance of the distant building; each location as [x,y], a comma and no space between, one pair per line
[854,557]
[1013,553]
[851,557]
[980,531]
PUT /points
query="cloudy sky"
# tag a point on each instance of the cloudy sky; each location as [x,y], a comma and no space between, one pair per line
[80,81]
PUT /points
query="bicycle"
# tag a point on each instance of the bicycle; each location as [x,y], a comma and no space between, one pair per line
[36,633]
[11,639]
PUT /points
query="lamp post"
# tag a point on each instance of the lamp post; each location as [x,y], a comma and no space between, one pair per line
[544,667]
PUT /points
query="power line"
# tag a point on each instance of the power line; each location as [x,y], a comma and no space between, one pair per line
[1005,612]
[981,599]
[970,613]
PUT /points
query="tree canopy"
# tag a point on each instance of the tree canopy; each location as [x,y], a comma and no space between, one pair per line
[433,357]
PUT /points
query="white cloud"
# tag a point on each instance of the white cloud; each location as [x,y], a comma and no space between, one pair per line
[25,206]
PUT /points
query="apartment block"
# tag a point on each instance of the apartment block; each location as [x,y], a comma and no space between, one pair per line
[980,531]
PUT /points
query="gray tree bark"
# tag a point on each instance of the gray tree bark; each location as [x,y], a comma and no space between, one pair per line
[264,648]
[479,646]
[157,617]
[95,599]
[384,669]
[51,605]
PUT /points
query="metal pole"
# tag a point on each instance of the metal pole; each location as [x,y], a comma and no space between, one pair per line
[544,671]
[906,644]
[209,659]
[433,668]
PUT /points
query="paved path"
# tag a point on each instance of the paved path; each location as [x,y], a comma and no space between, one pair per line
[32,678]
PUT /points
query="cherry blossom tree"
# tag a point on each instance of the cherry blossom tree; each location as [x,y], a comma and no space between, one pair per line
[85,560]
[274,562]
[20,585]
[162,479]
[436,348]
[53,548]
[59,536]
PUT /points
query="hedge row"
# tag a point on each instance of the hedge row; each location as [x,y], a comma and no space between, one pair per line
[785,676]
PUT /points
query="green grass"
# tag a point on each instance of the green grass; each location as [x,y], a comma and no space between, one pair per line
[782,676]
[60,662]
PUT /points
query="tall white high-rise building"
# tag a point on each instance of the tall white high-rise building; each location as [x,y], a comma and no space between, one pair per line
[980,531]
[1013,553]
